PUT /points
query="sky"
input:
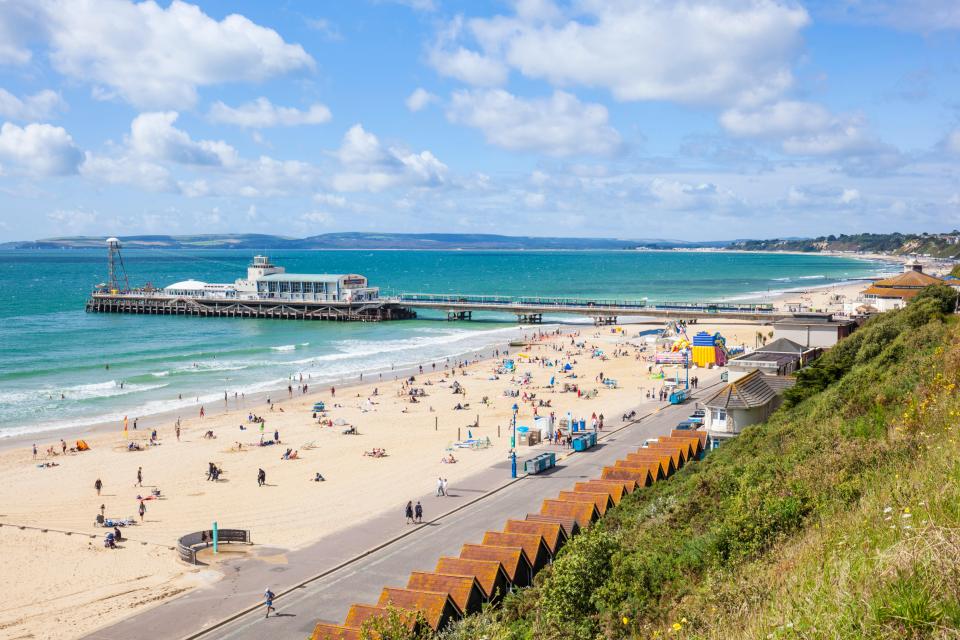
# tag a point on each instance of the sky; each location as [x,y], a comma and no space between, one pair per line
[680,119]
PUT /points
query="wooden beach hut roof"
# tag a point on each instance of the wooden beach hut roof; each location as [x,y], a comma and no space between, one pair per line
[643,477]
[360,613]
[465,591]
[532,544]
[513,559]
[437,607]
[673,451]
[661,466]
[552,532]
[329,631]
[490,574]
[569,524]
[629,486]
[602,501]
[691,446]
[615,490]
[668,462]
[585,513]
[700,435]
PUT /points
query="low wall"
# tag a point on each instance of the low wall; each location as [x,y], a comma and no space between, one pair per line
[188,545]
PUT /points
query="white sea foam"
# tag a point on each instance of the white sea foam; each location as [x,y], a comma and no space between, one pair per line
[285,347]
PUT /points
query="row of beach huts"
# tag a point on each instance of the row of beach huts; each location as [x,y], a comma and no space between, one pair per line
[511,558]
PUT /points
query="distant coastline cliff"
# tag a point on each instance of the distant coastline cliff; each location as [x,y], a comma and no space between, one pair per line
[937,245]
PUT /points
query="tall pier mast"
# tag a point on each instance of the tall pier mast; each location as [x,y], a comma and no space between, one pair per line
[115,260]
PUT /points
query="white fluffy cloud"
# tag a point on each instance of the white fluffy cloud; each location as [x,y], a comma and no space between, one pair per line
[152,135]
[262,113]
[40,149]
[39,106]
[129,171]
[803,128]
[712,52]
[419,99]
[366,165]
[784,118]
[456,61]
[154,56]
[560,125]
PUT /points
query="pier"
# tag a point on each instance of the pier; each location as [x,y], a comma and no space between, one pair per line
[404,306]
[157,304]
[268,291]
[530,310]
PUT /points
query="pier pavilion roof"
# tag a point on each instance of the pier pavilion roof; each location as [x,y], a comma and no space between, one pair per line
[304,277]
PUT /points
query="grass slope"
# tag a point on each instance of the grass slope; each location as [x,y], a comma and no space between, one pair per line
[837,518]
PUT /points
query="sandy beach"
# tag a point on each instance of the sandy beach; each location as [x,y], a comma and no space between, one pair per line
[77,585]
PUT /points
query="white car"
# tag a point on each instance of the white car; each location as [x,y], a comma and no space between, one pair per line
[649,441]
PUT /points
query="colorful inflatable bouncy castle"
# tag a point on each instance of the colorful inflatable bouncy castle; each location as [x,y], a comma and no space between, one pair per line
[709,350]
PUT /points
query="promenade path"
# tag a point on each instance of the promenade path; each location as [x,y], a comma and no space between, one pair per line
[322,580]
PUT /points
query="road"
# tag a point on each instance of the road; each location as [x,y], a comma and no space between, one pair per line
[353,565]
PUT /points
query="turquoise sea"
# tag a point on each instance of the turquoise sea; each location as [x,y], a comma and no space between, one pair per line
[50,347]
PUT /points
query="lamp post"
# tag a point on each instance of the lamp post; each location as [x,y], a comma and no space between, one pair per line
[513,443]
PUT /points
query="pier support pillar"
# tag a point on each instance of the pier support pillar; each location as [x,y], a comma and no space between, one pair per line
[604,320]
[530,318]
[459,315]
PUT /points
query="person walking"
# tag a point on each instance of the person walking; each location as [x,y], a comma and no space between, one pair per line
[439,486]
[98,485]
[142,510]
[409,512]
[177,430]
[139,476]
[261,477]
[268,597]
[34,451]
[418,512]
[445,492]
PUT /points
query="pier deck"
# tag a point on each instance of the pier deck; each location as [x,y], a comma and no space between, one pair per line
[146,304]
[405,305]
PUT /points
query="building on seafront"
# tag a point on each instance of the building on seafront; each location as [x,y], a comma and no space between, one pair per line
[779,358]
[746,401]
[266,281]
[896,292]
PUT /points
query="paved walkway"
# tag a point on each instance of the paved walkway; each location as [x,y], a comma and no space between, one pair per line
[354,564]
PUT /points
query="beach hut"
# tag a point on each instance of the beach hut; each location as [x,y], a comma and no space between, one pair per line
[328,631]
[602,501]
[570,526]
[614,490]
[660,466]
[689,445]
[360,613]
[489,574]
[551,532]
[465,591]
[513,559]
[437,608]
[700,435]
[533,546]
[585,513]
[642,477]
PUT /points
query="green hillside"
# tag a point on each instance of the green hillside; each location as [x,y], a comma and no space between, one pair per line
[939,245]
[837,518]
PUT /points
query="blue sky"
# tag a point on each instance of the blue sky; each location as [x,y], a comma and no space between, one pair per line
[683,119]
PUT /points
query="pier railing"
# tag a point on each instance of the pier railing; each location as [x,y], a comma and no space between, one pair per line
[583,303]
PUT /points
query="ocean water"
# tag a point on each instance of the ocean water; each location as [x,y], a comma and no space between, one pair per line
[60,366]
